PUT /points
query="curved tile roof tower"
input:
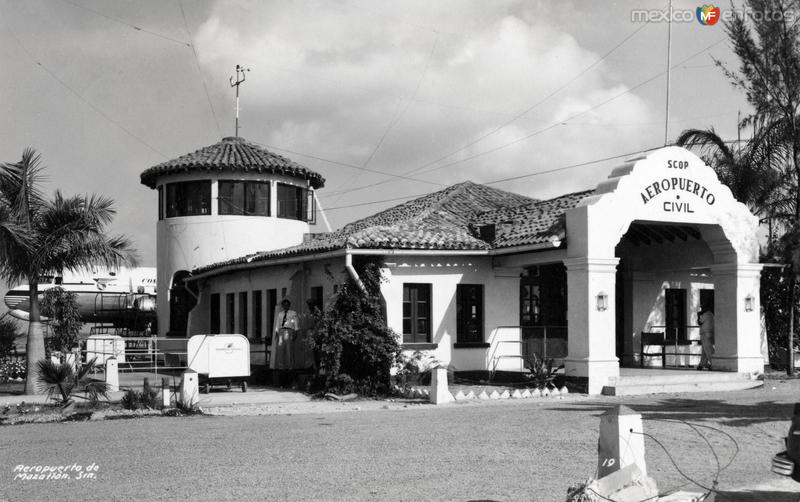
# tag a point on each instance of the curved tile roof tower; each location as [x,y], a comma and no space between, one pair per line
[223,201]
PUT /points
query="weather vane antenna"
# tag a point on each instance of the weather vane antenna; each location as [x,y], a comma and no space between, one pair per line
[240,77]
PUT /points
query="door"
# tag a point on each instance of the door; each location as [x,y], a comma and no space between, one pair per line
[675,314]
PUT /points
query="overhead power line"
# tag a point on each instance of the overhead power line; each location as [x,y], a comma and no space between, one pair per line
[199,69]
[503,180]
[133,26]
[81,98]
[346,164]
[535,105]
[551,126]
[515,117]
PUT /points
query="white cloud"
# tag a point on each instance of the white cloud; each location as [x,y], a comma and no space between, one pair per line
[329,78]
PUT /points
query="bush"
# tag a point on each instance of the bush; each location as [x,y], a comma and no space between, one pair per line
[11,369]
[8,333]
[416,369]
[62,383]
[541,373]
[146,399]
[355,346]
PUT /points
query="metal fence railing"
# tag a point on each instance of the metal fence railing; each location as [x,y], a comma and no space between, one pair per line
[545,342]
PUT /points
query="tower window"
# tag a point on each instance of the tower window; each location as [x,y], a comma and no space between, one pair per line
[293,202]
[249,198]
[188,198]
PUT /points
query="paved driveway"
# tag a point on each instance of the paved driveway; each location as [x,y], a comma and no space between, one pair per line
[510,450]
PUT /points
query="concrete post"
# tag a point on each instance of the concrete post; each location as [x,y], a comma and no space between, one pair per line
[71,359]
[621,441]
[440,393]
[112,374]
[190,394]
[166,393]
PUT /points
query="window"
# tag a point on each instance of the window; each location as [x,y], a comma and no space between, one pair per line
[292,202]
[316,297]
[189,198]
[230,300]
[161,202]
[249,198]
[258,314]
[214,321]
[243,313]
[469,313]
[416,313]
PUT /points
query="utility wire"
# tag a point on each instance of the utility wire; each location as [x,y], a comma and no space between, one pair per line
[399,112]
[345,164]
[522,113]
[529,175]
[199,69]
[551,126]
[120,21]
[535,105]
[81,98]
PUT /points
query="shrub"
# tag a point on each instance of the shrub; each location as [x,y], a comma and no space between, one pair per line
[355,346]
[11,369]
[62,383]
[542,372]
[8,333]
[147,398]
[416,369]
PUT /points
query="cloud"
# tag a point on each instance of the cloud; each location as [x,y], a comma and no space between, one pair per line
[334,79]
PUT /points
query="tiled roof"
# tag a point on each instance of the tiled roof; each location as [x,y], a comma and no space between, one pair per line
[232,155]
[440,220]
[534,223]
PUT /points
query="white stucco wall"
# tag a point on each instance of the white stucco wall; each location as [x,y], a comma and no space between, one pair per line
[188,242]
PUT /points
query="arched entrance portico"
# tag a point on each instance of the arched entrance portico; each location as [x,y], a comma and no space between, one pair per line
[705,240]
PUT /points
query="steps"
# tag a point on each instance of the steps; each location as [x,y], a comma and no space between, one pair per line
[637,382]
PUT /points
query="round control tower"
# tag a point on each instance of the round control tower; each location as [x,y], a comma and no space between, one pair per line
[222,202]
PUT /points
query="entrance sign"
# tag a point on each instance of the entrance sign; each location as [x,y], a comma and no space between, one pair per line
[687,185]
[670,186]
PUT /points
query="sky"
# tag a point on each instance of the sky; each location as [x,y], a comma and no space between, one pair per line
[385,99]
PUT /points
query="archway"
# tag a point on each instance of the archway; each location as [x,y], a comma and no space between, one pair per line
[668,193]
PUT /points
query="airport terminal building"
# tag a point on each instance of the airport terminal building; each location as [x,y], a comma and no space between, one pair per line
[474,276]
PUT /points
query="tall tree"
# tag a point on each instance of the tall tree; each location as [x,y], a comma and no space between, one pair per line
[45,237]
[766,40]
[745,168]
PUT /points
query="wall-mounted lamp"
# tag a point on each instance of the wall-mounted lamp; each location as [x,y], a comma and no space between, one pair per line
[602,301]
[749,302]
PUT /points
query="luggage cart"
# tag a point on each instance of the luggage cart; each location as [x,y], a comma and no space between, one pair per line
[219,360]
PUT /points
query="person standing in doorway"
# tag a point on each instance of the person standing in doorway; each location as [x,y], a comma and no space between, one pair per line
[705,318]
[286,324]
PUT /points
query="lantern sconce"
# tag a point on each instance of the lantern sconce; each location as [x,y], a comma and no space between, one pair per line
[602,301]
[749,302]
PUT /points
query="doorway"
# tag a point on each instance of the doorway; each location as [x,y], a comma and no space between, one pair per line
[675,314]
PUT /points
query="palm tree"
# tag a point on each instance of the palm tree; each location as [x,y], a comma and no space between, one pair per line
[64,382]
[45,237]
[753,170]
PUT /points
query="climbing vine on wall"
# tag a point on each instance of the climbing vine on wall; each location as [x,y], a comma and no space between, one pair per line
[354,346]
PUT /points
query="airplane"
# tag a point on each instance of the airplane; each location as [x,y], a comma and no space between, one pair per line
[104,296]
